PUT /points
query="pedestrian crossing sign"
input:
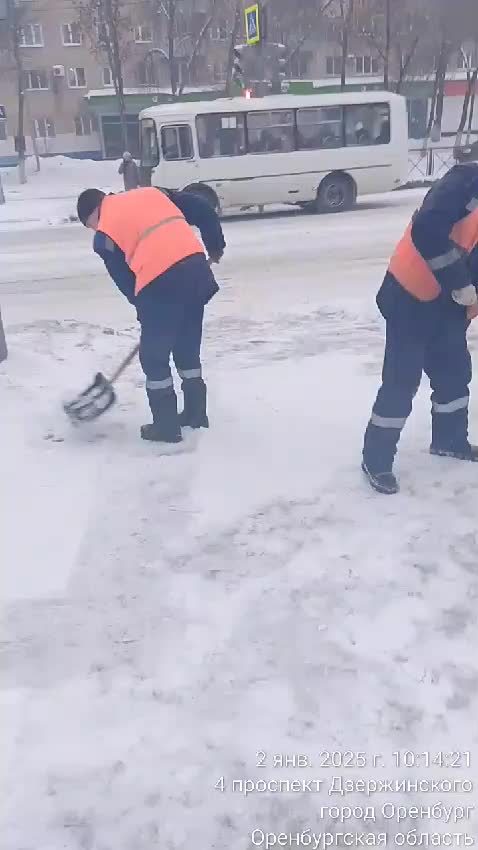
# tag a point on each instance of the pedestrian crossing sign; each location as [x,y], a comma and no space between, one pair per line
[253,33]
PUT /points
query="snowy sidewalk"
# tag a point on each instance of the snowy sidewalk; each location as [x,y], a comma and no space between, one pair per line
[49,196]
[174,619]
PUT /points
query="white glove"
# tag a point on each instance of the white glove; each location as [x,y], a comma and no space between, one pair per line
[466,297]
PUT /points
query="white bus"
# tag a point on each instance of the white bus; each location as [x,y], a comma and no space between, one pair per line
[320,150]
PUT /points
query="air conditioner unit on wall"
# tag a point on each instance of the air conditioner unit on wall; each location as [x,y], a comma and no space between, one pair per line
[58,70]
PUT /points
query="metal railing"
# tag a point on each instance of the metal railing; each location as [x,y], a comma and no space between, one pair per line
[432,161]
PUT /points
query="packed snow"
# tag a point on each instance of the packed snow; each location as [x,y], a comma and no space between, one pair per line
[174,618]
[49,196]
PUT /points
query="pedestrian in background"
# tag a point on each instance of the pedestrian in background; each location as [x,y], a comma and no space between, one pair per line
[129,170]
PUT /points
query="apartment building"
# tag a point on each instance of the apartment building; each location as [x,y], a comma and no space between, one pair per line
[68,85]
[70,106]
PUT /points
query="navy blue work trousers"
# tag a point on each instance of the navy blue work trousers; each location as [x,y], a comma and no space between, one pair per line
[435,344]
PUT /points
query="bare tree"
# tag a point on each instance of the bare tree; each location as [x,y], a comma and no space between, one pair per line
[13,61]
[373,24]
[394,29]
[108,28]
[468,29]
[184,34]
[295,23]
[235,30]
[347,9]
[198,42]
[172,9]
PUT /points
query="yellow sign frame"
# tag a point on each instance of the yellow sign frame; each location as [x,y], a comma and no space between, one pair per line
[252,10]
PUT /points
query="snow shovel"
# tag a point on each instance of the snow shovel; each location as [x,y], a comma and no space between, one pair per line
[99,396]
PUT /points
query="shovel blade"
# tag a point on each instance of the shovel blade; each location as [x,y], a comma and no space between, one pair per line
[92,402]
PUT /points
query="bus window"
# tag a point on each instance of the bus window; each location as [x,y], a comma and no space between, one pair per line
[271,132]
[367,124]
[221,135]
[149,144]
[320,128]
[177,142]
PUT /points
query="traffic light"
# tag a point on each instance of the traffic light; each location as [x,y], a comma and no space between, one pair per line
[282,61]
[238,66]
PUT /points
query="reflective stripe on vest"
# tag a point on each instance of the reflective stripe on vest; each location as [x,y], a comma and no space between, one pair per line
[150,230]
[416,274]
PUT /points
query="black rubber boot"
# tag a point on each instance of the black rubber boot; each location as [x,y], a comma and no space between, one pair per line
[194,414]
[468,452]
[382,482]
[165,427]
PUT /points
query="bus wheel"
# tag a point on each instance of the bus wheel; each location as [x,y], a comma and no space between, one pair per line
[205,192]
[337,193]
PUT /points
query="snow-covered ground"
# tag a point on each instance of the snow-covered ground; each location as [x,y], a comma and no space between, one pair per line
[170,616]
[49,196]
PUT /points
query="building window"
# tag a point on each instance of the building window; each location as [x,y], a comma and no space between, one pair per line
[145,74]
[177,142]
[76,78]
[321,127]
[30,35]
[221,135]
[183,25]
[71,34]
[102,35]
[219,71]
[36,80]
[143,34]
[107,77]
[3,130]
[366,65]
[333,30]
[219,32]
[333,66]
[299,64]
[43,128]
[85,125]
[271,132]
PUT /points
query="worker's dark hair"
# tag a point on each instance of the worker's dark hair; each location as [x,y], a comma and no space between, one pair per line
[88,202]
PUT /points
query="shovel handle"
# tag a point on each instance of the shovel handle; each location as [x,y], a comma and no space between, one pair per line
[124,364]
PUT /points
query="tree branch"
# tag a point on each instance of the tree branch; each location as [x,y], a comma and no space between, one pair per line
[199,42]
[405,65]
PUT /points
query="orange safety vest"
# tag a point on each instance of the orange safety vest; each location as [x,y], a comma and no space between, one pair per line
[150,230]
[413,272]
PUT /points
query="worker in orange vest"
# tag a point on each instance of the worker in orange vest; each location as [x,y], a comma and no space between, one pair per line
[150,250]
[428,299]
